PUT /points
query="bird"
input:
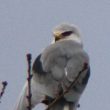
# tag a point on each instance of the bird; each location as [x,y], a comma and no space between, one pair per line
[55,68]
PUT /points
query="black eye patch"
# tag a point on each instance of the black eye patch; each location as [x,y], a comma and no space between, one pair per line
[67,33]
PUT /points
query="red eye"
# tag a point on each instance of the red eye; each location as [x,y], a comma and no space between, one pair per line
[67,33]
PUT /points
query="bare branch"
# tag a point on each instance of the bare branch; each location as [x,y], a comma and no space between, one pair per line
[29,107]
[4,84]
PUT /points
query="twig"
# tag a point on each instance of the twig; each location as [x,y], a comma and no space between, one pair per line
[29,107]
[4,83]
[68,89]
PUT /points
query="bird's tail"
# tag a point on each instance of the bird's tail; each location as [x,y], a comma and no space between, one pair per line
[63,105]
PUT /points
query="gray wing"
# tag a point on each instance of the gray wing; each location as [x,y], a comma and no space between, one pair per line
[64,60]
[48,85]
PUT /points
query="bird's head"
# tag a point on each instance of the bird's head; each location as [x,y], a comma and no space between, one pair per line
[67,32]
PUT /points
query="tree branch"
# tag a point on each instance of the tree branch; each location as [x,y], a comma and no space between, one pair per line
[29,107]
[4,84]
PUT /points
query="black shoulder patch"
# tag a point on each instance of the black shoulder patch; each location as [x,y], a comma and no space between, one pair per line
[37,66]
[85,79]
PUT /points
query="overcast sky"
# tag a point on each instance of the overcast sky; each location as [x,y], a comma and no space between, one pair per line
[26,26]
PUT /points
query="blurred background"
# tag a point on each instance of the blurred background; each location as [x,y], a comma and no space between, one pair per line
[26,27]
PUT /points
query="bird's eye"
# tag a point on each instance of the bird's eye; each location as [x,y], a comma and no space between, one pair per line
[67,33]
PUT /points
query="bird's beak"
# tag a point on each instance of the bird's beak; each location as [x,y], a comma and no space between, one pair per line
[57,36]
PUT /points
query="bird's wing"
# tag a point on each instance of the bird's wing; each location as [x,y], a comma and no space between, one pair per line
[62,57]
[64,60]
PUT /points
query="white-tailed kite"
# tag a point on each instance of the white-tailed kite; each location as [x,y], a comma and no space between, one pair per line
[56,68]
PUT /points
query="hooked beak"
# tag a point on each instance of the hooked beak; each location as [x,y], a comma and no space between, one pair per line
[57,36]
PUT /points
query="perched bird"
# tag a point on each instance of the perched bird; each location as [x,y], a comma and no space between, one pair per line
[56,68]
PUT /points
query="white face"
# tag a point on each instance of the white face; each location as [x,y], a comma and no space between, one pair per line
[64,31]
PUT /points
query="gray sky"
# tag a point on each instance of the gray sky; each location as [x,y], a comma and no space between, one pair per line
[26,25]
